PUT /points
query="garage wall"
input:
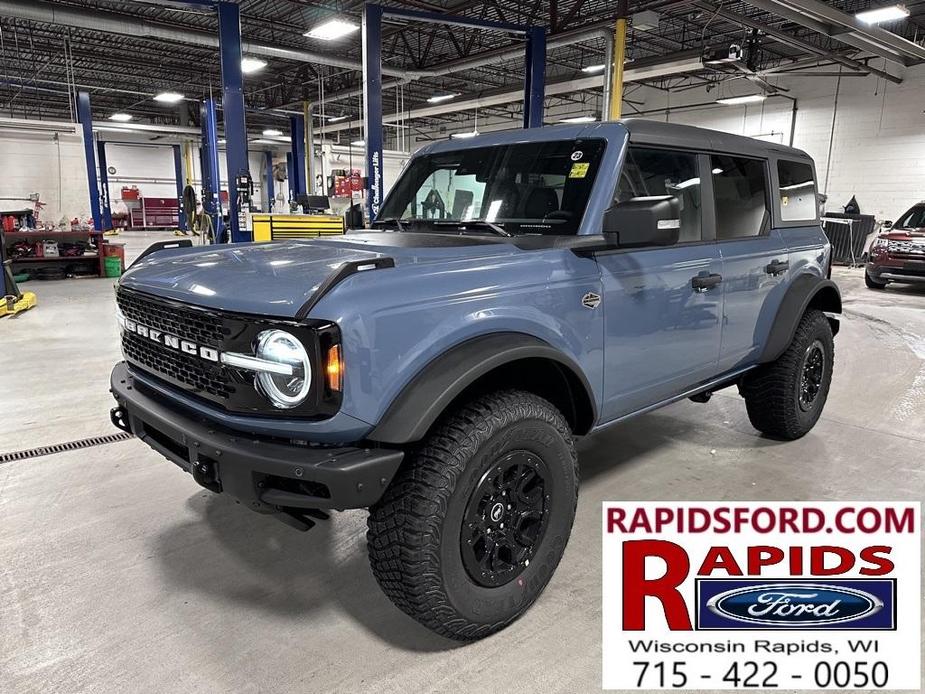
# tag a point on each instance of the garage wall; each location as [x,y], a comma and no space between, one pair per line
[878,144]
[50,165]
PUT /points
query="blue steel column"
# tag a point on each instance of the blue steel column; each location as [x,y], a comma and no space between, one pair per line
[271,192]
[178,172]
[211,182]
[372,105]
[106,211]
[297,132]
[229,37]
[535,77]
[85,117]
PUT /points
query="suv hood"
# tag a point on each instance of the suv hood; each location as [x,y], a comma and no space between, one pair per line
[277,278]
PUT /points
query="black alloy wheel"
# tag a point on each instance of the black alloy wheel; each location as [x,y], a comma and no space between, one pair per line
[505,519]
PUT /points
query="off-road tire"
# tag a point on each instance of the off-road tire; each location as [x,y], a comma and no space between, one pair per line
[414,531]
[873,284]
[772,391]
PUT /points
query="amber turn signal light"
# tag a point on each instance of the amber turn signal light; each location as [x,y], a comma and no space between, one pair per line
[334,369]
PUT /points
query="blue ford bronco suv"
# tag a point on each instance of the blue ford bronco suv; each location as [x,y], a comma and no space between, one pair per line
[517,290]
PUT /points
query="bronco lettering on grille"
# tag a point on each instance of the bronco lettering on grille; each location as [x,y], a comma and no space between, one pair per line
[172,341]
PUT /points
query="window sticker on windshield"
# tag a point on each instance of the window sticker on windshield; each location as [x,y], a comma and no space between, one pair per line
[577,155]
[579,170]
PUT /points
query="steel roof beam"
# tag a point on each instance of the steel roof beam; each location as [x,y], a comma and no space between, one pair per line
[794,41]
[837,32]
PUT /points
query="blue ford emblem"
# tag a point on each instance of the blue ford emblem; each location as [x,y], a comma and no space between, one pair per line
[794,604]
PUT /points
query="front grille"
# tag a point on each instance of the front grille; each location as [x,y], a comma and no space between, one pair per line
[906,250]
[200,376]
[202,327]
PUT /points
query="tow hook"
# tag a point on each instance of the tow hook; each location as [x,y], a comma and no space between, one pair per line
[205,472]
[120,420]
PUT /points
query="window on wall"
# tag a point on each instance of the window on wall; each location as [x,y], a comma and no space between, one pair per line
[797,191]
[664,172]
[741,195]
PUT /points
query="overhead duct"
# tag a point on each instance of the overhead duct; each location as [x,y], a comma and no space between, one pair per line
[683,63]
[98,20]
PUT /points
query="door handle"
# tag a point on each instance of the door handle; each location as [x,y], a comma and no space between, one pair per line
[705,281]
[777,267]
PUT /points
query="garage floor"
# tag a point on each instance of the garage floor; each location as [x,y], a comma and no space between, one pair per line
[118,574]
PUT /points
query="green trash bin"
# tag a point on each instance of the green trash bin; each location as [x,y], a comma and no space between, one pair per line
[112,264]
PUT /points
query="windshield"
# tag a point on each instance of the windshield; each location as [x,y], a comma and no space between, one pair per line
[528,188]
[913,219]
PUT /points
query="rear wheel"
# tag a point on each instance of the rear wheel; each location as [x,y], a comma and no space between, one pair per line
[872,283]
[785,398]
[473,526]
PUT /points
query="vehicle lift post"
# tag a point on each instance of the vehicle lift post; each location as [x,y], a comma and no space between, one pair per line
[211,183]
[534,80]
[85,116]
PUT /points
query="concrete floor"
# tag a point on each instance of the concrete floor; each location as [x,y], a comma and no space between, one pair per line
[118,574]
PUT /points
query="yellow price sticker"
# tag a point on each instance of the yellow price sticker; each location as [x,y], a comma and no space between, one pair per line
[579,169]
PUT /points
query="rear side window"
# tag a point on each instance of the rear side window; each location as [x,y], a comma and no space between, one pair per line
[797,191]
[663,172]
[741,194]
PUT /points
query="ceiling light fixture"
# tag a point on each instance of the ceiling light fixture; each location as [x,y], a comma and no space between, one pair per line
[736,100]
[358,143]
[169,97]
[332,30]
[270,132]
[252,65]
[465,136]
[336,119]
[437,98]
[593,68]
[121,117]
[579,119]
[877,15]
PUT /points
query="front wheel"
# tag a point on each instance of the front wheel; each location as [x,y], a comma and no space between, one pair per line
[475,522]
[785,398]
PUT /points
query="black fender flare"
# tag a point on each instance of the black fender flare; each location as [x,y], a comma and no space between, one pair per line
[444,378]
[804,291]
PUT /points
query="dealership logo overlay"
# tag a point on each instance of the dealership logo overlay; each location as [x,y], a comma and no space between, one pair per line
[790,595]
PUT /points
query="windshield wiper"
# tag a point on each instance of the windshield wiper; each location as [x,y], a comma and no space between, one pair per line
[389,220]
[500,231]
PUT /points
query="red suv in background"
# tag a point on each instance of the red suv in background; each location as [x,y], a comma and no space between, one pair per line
[898,252]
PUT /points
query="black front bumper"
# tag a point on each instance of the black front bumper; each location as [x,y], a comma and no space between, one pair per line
[269,475]
[912,272]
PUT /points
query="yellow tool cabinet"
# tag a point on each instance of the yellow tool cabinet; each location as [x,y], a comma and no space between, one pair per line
[277,227]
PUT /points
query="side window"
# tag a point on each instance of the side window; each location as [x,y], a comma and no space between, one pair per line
[663,172]
[797,191]
[740,191]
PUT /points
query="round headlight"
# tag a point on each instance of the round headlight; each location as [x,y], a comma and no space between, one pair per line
[284,390]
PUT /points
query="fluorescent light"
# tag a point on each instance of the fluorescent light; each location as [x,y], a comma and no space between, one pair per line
[251,65]
[358,143]
[270,132]
[332,30]
[464,136]
[594,68]
[169,98]
[671,67]
[736,100]
[687,184]
[335,119]
[437,98]
[883,14]
[579,119]
[717,171]
[121,117]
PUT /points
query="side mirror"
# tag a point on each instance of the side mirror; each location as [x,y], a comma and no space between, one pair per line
[886,225]
[646,221]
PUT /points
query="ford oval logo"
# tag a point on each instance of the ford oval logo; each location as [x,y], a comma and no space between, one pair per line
[794,604]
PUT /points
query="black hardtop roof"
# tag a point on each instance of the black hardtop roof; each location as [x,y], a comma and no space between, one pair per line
[652,132]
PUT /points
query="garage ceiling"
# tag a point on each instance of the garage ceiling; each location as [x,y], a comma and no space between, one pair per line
[41,62]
